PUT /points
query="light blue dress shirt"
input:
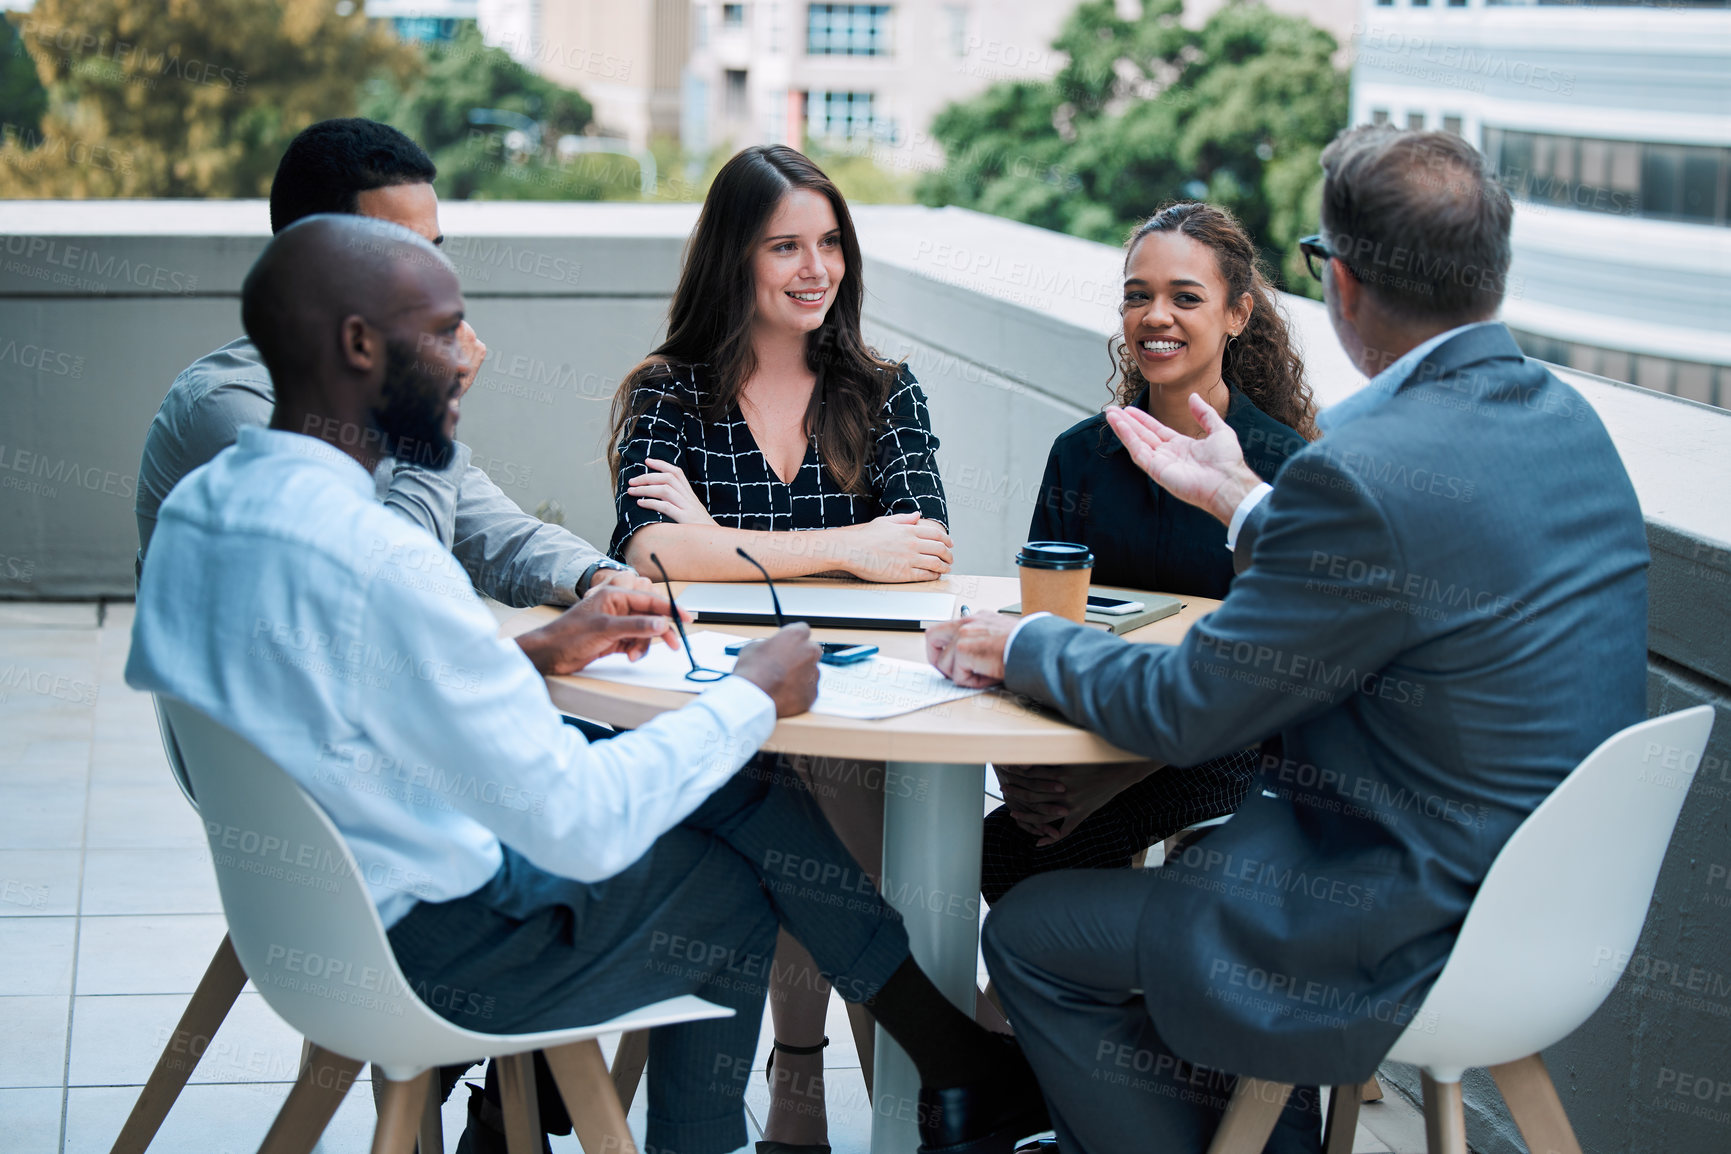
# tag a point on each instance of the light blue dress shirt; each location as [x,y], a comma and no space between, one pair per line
[285,602]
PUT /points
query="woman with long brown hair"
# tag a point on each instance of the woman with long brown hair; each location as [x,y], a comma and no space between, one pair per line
[764,422]
[1198,318]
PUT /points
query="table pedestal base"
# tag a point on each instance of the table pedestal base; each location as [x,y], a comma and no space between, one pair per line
[931,875]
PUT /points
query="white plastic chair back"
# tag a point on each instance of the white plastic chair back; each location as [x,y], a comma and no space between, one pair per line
[307,932]
[171,749]
[1559,913]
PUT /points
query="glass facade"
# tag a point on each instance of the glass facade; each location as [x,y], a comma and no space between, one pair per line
[1709,384]
[845,116]
[848,30]
[1624,177]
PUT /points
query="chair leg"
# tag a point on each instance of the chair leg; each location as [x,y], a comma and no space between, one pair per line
[316,1095]
[1532,1098]
[1445,1121]
[628,1062]
[1342,1122]
[431,1138]
[865,1039]
[522,1108]
[1371,1091]
[1250,1119]
[400,1109]
[203,1016]
[596,1115]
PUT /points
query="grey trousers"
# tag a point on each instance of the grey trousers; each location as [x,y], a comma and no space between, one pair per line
[698,914]
[1061,948]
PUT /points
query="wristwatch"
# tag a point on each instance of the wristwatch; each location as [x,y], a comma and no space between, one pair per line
[588,577]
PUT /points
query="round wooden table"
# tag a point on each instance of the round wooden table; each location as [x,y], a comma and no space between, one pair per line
[934,781]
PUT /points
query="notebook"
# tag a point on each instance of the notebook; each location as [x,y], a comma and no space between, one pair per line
[844,607]
[1158,608]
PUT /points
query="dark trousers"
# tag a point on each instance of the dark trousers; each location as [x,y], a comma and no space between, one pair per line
[1152,810]
[1062,952]
[697,914]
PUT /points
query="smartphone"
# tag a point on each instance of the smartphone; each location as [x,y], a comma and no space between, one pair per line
[834,652]
[1113,606]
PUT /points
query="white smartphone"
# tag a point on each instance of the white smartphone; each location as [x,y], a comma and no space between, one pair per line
[1113,606]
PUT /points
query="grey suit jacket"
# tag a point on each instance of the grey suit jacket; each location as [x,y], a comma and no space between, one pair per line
[509,555]
[1445,610]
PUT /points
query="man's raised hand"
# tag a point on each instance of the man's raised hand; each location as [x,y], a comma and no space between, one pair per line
[1208,471]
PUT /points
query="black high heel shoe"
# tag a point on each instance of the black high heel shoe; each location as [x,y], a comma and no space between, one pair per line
[772,1147]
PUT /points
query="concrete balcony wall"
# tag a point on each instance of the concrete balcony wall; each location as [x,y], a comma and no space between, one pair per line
[101,304]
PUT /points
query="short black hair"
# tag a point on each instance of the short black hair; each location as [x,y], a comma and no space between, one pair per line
[1420,220]
[331,163]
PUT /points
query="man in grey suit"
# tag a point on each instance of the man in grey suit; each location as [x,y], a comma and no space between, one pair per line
[360,166]
[1441,609]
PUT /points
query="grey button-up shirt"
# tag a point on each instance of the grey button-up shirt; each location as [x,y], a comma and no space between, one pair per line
[509,555]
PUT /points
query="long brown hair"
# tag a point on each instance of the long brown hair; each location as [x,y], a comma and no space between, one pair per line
[709,321]
[1261,362]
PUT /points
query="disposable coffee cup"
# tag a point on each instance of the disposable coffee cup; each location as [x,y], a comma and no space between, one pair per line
[1055,577]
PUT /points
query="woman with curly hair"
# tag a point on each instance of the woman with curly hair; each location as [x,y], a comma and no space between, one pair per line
[1199,318]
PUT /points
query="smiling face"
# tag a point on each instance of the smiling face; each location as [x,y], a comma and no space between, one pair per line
[1177,315]
[798,266]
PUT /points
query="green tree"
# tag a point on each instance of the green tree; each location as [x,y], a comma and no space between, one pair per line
[432,105]
[190,98]
[23,100]
[1146,111]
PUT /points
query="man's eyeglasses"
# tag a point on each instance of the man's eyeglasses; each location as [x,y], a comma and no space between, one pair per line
[697,672]
[780,621]
[1315,249]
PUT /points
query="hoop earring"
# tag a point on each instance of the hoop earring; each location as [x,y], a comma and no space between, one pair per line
[1232,344]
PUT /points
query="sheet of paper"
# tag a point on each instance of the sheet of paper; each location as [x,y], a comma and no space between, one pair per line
[875,688]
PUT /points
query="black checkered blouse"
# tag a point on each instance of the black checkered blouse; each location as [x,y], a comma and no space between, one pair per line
[732,478]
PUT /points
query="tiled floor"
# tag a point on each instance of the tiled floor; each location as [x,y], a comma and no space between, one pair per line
[109,914]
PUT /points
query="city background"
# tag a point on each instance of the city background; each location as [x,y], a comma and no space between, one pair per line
[996,153]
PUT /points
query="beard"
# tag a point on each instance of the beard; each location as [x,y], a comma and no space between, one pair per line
[411,420]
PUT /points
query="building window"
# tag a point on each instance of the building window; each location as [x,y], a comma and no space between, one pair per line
[1673,181]
[733,16]
[845,116]
[733,102]
[1452,124]
[1379,116]
[848,30]
[1457,3]
[1415,121]
[1693,380]
[957,16]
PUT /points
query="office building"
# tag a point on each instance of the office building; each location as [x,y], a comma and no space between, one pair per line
[1611,125]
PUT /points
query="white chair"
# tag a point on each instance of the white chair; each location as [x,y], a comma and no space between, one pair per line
[1567,893]
[204,1014]
[306,931]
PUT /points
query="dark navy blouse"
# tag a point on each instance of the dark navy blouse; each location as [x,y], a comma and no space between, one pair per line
[1142,536]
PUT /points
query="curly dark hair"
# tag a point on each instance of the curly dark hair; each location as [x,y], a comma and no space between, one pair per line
[1262,361]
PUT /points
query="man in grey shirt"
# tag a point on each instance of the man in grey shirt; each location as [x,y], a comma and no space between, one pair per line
[370,169]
